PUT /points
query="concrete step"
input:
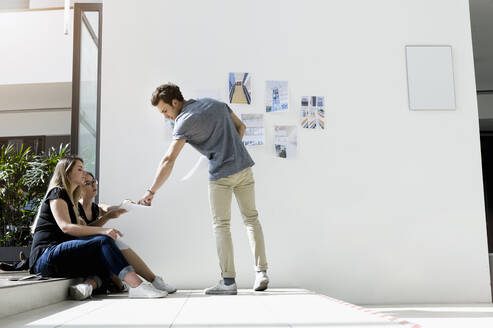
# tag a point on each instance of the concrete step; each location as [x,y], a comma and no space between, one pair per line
[21,296]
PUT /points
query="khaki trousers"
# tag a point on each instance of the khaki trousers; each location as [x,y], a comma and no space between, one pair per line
[242,185]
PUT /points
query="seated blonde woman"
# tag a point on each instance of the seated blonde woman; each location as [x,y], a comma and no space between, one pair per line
[97,215]
[64,246]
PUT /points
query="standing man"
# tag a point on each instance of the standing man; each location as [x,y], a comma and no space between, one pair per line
[215,131]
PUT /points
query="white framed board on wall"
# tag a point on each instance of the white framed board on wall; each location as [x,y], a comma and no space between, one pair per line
[430,77]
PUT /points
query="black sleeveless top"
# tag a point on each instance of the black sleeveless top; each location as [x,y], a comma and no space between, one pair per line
[47,232]
[94,211]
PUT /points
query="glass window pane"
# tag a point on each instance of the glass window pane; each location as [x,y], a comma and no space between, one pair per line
[93,18]
[87,147]
[88,93]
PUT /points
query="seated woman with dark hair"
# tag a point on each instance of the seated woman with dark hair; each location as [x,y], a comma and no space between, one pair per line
[97,215]
[64,246]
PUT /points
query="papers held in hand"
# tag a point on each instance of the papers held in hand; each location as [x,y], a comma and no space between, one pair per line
[129,206]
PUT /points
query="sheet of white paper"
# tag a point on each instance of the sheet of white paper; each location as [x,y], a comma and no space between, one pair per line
[276,96]
[129,206]
[254,134]
[200,163]
[286,141]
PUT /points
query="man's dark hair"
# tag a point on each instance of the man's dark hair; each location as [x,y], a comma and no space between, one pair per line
[166,92]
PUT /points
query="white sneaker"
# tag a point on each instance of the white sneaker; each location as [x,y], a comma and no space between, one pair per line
[221,289]
[159,283]
[80,292]
[146,290]
[261,281]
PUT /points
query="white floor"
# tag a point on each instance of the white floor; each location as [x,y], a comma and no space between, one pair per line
[275,308]
[442,316]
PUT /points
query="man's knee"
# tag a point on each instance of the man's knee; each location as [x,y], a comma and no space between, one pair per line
[222,222]
[250,218]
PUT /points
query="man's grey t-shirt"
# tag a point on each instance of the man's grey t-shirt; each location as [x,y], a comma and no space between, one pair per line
[207,126]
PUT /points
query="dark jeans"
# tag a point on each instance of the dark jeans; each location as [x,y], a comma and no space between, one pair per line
[83,257]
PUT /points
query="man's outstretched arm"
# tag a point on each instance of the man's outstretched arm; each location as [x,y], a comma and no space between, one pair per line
[163,171]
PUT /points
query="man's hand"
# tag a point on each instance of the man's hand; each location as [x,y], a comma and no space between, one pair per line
[163,171]
[146,199]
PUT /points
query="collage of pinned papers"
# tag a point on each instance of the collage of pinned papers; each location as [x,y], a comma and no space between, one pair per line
[312,114]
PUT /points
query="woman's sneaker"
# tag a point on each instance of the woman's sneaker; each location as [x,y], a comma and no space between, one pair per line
[146,290]
[159,283]
[222,289]
[80,292]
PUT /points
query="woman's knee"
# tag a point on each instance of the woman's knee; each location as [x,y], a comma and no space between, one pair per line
[108,241]
[94,237]
[102,238]
[103,241]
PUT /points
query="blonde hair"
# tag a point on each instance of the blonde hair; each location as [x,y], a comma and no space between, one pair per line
[61,178]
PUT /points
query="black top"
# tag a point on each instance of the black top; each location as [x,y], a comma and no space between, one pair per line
[94,211]
[47,232]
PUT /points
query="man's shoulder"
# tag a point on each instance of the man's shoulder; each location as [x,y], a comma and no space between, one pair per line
[210,102]
[201,106]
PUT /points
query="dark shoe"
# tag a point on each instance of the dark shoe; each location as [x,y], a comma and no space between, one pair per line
[6,267]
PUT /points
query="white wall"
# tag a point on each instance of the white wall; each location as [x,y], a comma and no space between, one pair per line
[32,96]
[35,123]
[14,4]
[35,109]
[56,3]
[33,47]
[385,206]
[35,74]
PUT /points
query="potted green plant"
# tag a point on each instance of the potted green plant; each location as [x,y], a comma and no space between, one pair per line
[24,178]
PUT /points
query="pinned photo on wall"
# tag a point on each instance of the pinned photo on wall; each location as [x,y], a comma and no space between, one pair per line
[276,96]
[312,112]
[286,141]
[240,90]
[255,132]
